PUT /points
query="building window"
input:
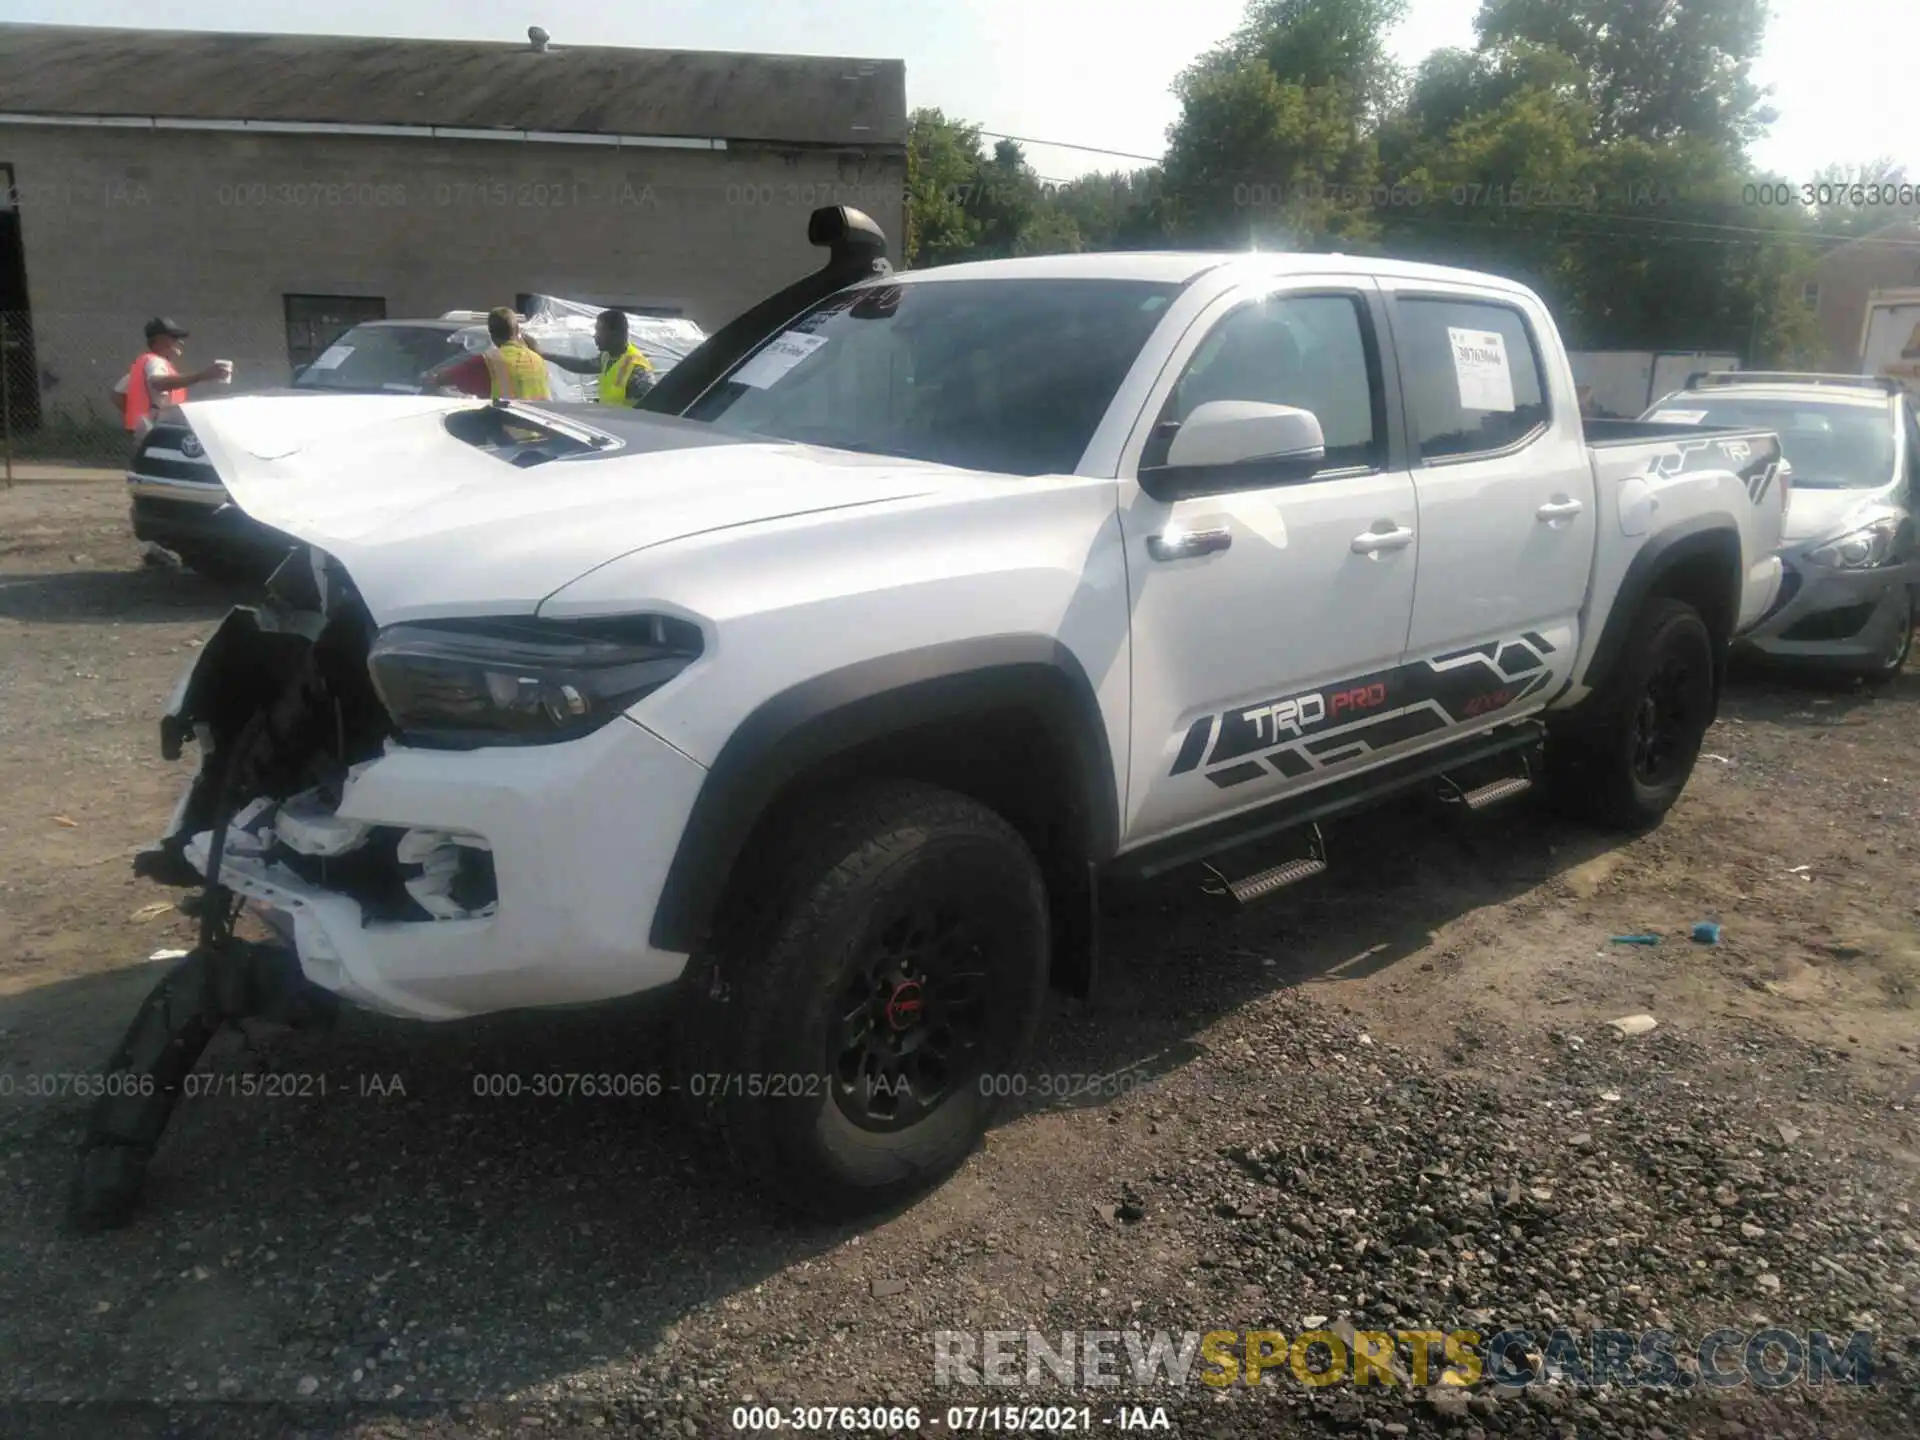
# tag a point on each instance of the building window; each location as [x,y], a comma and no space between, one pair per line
[315,321]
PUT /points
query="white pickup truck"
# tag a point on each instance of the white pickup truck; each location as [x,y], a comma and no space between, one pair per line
[948,598]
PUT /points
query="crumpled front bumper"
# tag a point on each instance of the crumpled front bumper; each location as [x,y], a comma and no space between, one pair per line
[1835,617]
[581,835]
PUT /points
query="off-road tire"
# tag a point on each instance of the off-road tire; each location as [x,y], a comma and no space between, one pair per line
[757,1055]
[1601,766]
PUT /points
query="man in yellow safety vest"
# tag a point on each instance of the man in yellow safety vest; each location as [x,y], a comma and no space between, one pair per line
[625,374]
[514,368]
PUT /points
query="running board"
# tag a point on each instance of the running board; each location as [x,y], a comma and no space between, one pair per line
[1495,791]
[1344,796]
[1263,883]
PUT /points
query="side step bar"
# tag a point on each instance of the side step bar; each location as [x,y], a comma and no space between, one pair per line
[1494,791]
[1324,802]
[1263,883]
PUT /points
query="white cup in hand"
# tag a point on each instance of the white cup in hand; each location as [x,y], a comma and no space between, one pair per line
[225,367]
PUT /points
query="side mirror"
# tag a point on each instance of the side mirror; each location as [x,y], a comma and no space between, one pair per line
[1237,445]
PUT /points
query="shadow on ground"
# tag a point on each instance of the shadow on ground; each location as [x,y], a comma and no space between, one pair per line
[512,1239]
[155,594]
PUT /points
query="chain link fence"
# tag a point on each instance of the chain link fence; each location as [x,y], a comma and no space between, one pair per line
[58,372]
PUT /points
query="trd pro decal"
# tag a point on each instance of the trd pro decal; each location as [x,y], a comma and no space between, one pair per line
[1300,733]
[1755,461]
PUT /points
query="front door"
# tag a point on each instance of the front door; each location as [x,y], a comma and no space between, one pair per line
[1262,617]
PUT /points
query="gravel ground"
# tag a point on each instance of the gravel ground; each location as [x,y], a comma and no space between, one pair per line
[1389,1101]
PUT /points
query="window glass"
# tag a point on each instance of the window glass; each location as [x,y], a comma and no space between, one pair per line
[1831,444]
[380,357]
[1473,376]
[1011,375]
[315,321]
[1308,351]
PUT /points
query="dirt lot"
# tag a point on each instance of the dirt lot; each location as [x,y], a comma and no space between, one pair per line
[1392,1100]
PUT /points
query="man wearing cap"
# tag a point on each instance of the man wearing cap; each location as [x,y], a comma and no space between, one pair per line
[154,379]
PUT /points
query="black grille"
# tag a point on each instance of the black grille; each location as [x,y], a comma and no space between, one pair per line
[173,437]
[1831,624]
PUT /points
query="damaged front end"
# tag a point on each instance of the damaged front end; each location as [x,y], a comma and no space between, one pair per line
[284,714]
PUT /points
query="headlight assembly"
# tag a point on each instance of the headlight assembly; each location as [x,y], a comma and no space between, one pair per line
[1862,549]
[466,683]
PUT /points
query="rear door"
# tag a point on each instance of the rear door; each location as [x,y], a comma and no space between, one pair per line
[1505,489]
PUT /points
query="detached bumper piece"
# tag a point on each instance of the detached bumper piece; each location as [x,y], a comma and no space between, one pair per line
[229,979]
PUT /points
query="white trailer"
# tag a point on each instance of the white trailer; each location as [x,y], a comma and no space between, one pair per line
[1622,383]
[1890,337]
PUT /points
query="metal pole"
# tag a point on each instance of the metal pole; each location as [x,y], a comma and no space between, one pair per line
[6,398]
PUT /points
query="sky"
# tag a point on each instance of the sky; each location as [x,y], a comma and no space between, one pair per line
[1095,73]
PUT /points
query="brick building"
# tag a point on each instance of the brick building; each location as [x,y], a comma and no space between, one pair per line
[1884,259]
[268,190]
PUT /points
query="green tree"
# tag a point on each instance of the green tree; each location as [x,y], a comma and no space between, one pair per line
[1003,202]
[1324,44]
[943,161]
[1853,200]
[1276,139]
[1653,69]
[1114,211]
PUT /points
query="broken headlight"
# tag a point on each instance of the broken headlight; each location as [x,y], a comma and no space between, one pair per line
[523,681]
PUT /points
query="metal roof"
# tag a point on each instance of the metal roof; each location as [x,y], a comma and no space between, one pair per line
[73,70]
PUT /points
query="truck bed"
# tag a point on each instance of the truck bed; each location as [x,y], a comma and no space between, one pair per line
[1628,432]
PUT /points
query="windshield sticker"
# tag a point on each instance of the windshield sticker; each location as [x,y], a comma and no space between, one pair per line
[780,356]
[839,305]
[332,358]
[1678,417]
[1480,366]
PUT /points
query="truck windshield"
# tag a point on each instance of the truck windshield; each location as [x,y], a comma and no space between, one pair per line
[1831,445]
[379,357]
[1011,376]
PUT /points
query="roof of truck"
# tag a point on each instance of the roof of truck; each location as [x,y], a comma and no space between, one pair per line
[1180,266]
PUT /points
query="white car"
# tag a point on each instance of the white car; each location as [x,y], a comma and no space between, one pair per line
[1852,567]
[954,596]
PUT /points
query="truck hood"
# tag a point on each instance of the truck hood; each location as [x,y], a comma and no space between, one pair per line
[1820,514]
[428,525]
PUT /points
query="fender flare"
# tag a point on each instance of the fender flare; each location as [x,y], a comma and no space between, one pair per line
[1715,534]
[807,726]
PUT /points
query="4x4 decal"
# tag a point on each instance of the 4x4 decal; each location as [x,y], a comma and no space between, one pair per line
[1310,730]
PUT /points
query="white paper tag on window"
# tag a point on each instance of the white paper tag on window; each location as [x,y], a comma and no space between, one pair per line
[1480,366]
[333,357]
[1678,417]
[780,356]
